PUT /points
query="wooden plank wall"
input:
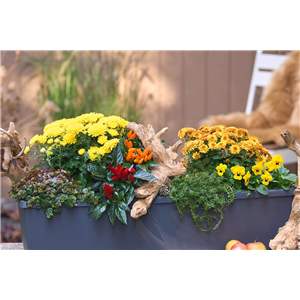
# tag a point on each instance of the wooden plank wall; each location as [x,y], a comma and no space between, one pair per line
[183,87]
[187,86]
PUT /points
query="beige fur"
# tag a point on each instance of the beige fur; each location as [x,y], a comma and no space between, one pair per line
[278,109]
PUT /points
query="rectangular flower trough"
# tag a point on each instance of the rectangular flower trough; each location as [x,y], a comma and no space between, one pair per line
[248,218]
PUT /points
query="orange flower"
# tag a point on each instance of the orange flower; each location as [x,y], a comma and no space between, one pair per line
[129,134]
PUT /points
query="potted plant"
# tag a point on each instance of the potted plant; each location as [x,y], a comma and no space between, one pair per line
[225,164]
[95,165]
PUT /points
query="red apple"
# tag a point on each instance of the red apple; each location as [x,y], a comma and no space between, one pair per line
[256,246]
[239,246]
[230,244]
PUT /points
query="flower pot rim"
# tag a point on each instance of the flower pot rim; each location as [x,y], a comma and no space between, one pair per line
[167,200]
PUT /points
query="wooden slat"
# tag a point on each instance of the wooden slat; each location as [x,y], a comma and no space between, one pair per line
[151,85]
[217,71]
[171,93]
[241,66]
[194,87]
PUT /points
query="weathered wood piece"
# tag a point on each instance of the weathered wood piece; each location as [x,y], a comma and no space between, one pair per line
[14,162]
[167,167]
[288,236]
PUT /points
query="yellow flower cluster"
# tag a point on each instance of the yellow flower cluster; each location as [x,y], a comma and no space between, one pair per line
[258,169]
[70,131]
[219,137]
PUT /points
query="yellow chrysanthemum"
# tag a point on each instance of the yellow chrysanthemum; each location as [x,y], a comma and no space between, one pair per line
[42,139]
[204,129]
[191,145]
[230,142]
[196,155]
[215,129]
[221,169]
[50,141]
[225,138]
[97,129]
[196,134]
[102,139]
[203,148]
[217,134]
[49,152]
[266,178]
[109,145]
[93,153]
[261,158]
[213,145]
[113,132]
[212,138]
[232,129]
[75,128]
[238,172]
[221,145]
[277,160]
[34,140]
[235,149]
[27,150]
[70,138]
[257,169]
[81,151]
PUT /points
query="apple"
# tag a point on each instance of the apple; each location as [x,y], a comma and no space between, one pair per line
[256,246]
[230,244]
[239,246]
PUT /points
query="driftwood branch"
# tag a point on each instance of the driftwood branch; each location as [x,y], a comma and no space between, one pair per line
[288,236]
[167,166]
[14,162]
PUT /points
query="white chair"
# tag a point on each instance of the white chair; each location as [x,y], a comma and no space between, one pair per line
[264,65]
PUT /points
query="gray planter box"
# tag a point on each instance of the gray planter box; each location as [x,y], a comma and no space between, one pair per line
[248,218]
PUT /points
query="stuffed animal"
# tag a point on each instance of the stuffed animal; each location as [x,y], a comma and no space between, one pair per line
[278,109]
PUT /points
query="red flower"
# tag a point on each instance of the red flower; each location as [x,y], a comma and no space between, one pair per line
[131,178]
[108,191]
[131,170]
[121,173]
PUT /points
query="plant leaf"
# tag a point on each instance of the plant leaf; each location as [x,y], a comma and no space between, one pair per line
[111,213]
[99,210]
[121,214]
[97,170]
[123,205]
[262,189]
[291,177]
[91,208]
[119,154]
[140,174]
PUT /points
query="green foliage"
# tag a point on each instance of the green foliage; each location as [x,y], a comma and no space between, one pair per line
[204,195]
[50,189]
[102,173]
[80,82]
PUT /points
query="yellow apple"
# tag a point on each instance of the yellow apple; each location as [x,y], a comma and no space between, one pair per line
[229,245]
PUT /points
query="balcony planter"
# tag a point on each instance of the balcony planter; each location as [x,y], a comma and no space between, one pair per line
[248,218]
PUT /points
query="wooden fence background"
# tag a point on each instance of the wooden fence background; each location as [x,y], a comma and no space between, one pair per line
[182,87]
